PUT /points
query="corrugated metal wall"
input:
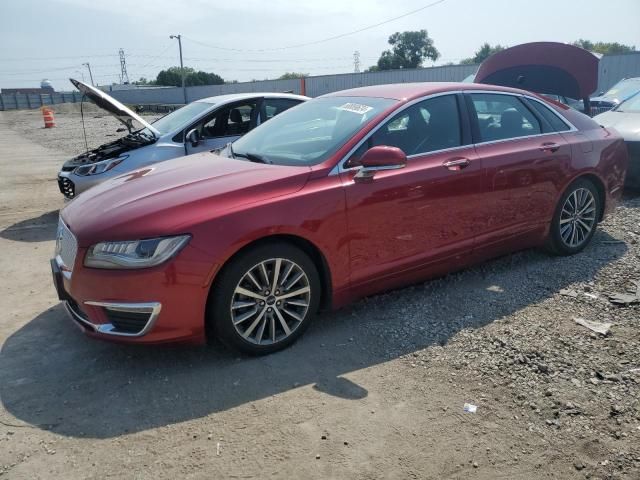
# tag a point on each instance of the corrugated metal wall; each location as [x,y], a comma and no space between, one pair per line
[612,68]
[293,86]
[19,101]
[316,86]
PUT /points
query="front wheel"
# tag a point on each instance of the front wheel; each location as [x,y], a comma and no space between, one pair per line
[265,298]
[575,218]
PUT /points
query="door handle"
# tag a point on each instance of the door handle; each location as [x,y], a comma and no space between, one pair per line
[456,164]
[549,147]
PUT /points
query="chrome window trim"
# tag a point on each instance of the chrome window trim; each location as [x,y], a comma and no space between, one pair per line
[153,308]
[503,140]
[339,167]
[553,110]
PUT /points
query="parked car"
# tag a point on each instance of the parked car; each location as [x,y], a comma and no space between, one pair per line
[344,196]
[625,118]
[569,102]
[617,94]
[200,126]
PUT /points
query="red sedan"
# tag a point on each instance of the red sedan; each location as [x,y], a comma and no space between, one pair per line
[343,196]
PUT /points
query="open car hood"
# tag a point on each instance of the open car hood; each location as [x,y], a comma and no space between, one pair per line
[543,67]
[114,107]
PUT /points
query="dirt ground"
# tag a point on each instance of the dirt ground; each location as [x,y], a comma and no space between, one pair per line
[373,391]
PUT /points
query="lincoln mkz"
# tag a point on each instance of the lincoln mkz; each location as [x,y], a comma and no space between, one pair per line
[340,197]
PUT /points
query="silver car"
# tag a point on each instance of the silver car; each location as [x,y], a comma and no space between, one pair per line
[625,118]
[625,88]
[206,124]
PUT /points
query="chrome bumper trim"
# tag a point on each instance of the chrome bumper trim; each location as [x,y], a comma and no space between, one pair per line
[152,308]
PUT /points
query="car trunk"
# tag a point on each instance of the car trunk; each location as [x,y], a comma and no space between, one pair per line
[543,67]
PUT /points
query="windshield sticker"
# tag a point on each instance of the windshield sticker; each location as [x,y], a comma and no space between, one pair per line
[355,108]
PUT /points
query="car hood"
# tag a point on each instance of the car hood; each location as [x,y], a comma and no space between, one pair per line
[606,100]
[170,197]
[113,106]
[626,123]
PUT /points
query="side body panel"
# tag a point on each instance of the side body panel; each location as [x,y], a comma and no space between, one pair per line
[412,218]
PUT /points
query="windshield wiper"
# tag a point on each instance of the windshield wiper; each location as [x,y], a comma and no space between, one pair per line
[252,157]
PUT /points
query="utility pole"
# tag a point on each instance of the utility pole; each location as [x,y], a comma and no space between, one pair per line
[184,89]
[356,61]
[124,76]
[90,74]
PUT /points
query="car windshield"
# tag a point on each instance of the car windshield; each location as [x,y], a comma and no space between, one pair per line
[630,105]
[623,89]
[180,117]
[311,132]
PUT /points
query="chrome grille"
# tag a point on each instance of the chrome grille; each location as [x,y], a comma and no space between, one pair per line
[597,110]
[66,245]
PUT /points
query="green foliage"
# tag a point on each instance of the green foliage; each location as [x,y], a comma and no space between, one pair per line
[292,75]
[484,52]
[144,81]
[408,50]
[171,77]
[604,48]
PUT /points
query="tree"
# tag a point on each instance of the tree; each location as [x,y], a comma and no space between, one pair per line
[484,52]
[144,81]
[604,48]
[408,50]
[172,77]
[292,75]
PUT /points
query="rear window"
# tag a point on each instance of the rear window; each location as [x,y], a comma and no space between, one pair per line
[552,121]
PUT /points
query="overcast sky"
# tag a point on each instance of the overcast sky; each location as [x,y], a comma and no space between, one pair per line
[53,38]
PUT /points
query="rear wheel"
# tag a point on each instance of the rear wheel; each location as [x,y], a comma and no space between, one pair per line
[576,218]
[265,298]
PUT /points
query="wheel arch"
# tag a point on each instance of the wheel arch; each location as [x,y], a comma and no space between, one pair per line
[315,254]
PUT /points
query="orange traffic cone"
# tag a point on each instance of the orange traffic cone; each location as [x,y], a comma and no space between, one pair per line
[49,120]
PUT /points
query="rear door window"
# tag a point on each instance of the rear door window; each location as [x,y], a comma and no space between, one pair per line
[501,117]
[232,120]
[275,106]
[553,121]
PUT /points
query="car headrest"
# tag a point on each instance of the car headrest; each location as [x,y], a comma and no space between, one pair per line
[235,116]
[511,119]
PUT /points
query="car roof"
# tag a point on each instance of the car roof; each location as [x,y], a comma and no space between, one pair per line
[409,91]
[232,97]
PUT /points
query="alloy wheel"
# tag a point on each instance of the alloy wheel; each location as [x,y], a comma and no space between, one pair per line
[578,217]
[270,301]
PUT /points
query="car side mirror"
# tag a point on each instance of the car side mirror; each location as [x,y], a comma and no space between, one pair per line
[193,136]
[379,158]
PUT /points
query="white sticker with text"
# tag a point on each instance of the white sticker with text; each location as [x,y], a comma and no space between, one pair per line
[355,108]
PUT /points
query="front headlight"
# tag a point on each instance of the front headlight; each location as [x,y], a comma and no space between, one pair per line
[99,167]
[135,253]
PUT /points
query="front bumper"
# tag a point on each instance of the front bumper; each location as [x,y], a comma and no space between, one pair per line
[72,185]
[114,305]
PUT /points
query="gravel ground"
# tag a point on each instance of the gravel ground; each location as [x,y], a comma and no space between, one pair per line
[68,135]
[375,390]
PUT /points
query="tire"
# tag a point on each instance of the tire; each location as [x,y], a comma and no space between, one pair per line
[274,319]
[568,233]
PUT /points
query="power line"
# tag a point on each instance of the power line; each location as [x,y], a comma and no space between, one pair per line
[316,42]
